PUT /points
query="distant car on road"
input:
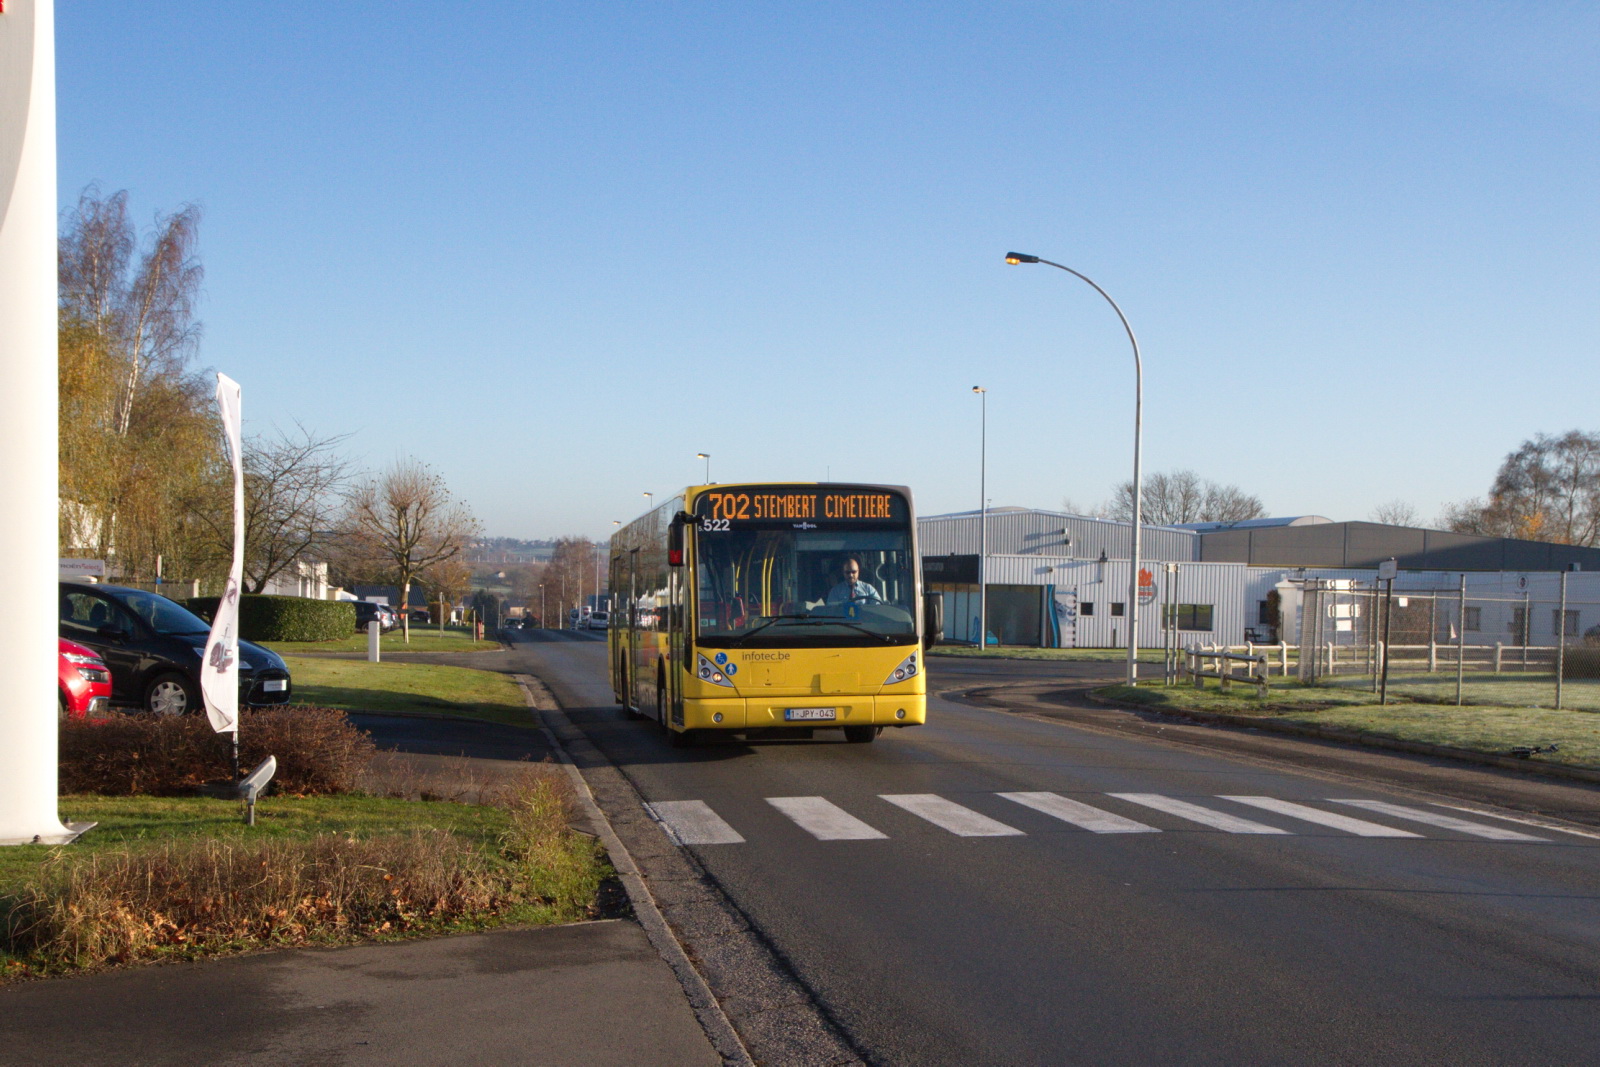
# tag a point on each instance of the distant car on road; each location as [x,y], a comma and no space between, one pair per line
[153,647]
[367,611]
[598,620]
[85,680]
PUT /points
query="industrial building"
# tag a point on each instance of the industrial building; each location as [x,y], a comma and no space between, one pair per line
[1056,580]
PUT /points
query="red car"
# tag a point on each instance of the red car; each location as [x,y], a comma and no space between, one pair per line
[85,681]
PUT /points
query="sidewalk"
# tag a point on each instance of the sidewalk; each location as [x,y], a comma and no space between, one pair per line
[593,993]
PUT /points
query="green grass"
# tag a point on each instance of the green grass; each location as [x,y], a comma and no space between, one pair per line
[423,639]
[134,821]
[1071,655]
[1513,689]
[1477,727]
[357,685]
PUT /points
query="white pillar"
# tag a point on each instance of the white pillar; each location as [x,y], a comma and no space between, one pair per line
[28,714]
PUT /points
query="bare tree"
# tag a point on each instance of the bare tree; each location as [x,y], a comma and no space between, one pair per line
[1395,513]
[1182,496]
[1097,511]
[1547,490]
[405,521]
[293,486]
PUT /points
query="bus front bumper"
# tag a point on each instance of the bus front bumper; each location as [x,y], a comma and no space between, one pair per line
[739,713]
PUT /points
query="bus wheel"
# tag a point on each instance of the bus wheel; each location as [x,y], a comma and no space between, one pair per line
[861,735]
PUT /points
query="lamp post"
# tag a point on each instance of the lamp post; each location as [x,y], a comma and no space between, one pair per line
[707,457]
[1138,486]
[983,515]
[544,620]
[649,501]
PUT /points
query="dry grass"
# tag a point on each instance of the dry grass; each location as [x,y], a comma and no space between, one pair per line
[198,896]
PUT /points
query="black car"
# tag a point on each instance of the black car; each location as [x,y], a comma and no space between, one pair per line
[154,647]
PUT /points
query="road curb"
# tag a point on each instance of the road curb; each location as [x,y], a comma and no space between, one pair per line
[718,1028]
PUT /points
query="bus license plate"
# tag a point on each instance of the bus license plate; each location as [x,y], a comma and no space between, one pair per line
[811,714]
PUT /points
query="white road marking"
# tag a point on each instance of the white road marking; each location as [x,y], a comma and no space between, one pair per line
[1195,813]
[1542,824]
[1359,827]
[1080,815]
[948,815]
[692,822]
[824,820]
[1433,818]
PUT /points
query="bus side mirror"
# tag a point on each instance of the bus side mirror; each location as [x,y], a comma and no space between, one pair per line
[932,619]
[675,539]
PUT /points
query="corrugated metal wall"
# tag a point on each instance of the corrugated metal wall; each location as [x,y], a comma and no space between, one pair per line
[1048,533]
[1221,585]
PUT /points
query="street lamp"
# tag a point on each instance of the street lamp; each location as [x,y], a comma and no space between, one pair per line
[983,515]
[1138,486]
[707,457]
[650,501]
[544,620]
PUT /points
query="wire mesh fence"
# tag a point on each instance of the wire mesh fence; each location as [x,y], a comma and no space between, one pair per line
[1449,646]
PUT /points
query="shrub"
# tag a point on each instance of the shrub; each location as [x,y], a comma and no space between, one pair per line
[190,897]
[285,618]
[318,751]
[1581,663]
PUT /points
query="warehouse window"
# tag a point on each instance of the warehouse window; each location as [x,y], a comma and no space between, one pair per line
[1189,616]
[1572,623]
[1264,613]
[1472,620]
[1116,608]
[1086,607]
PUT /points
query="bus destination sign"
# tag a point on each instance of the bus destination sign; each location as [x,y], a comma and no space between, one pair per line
[790,504]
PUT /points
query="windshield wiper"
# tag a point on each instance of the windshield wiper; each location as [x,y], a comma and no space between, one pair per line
[770,620]
[822,620]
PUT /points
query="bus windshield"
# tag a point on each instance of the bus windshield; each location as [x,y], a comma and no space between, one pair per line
[783,586]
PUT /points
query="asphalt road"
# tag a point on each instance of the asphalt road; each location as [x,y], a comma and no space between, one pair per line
[1000,888]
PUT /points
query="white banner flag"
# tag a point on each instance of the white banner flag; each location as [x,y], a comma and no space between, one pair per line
[219,669]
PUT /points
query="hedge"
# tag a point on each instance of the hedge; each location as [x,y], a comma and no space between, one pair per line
[1581,663]
[285,618]
[318,751]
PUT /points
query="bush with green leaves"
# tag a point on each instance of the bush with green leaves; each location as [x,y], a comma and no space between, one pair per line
[285,618]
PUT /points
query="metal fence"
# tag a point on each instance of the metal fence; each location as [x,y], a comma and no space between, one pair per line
[1447,646]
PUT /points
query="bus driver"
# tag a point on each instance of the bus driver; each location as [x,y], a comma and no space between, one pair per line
[852,588]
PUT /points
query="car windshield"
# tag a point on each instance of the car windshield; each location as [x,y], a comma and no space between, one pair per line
[788,587]
[163,615]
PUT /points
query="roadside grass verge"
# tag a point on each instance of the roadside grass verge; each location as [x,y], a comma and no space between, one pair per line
[181,878]
[356,685]
[1513,689]
[1477,727]
[423,639]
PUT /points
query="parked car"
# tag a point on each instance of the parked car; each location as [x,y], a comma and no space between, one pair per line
[85,680]
[367,611]
[599,620]
[153,647]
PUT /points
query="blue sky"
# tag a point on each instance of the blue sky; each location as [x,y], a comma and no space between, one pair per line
[555,250]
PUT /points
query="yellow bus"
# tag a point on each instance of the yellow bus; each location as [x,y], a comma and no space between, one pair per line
[772,610]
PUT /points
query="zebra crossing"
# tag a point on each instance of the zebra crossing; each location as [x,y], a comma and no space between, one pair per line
[693,822]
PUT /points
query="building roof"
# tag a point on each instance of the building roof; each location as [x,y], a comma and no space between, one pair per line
[1255,524]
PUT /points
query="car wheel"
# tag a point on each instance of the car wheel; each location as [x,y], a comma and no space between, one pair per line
[171,694]
[861,735]
[61,699]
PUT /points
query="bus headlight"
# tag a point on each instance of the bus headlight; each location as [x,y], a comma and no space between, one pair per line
[907,669]
[710,672]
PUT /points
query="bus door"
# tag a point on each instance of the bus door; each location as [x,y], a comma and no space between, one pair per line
[631,652]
